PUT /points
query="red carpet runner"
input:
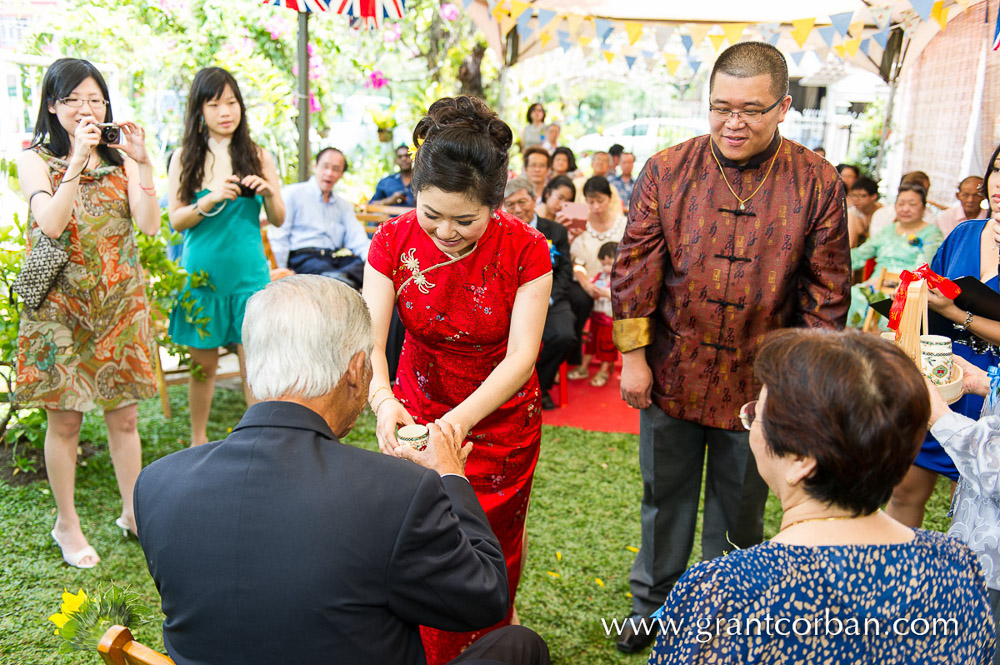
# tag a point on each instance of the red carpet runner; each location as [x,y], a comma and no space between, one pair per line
[594,409]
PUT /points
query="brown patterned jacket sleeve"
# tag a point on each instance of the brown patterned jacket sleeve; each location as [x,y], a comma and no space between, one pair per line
[637,276]
[824,289]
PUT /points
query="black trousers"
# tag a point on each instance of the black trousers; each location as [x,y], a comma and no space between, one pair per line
[582,305]
[558,339]
[510,645]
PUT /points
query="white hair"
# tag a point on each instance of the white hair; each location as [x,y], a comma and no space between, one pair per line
[514,185]
[300,333]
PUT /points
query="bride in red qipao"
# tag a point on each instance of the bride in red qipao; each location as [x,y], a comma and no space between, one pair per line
[460,271]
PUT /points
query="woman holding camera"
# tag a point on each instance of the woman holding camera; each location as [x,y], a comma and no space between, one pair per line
[87,345]
[219,179]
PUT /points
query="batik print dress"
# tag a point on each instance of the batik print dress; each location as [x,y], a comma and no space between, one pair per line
[88,345]
[457,316]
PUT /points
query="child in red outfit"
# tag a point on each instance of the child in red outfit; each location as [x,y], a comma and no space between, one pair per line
[600,342]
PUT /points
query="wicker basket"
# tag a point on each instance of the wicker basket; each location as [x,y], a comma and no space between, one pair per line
[907,337]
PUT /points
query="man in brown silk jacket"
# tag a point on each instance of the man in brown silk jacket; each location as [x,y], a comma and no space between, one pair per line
[730,236]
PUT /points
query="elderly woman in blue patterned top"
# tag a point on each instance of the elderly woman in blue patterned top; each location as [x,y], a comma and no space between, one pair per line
[838,422]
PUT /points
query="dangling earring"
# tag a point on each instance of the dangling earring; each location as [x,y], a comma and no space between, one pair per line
[201,123]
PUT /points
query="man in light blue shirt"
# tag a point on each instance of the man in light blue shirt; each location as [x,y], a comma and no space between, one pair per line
[321,235]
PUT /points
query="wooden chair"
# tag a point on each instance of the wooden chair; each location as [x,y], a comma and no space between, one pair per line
[118,647]
[886,282]
[373,215]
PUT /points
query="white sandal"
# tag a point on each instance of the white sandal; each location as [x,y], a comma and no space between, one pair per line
[74,558]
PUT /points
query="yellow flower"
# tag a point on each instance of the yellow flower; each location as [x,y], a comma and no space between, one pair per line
[631,549]
[71,603]
[551,574]
[559,556]
[599,581]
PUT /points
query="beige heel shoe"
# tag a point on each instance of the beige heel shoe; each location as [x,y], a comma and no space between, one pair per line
[74,558]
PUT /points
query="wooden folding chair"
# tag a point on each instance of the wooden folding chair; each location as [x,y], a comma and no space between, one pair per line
[118,647]
[373,215]
[886,282]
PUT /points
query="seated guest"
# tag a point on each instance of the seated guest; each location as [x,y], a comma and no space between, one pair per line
[558,335]
[970,200]
[848,174]
[557,191]
[395,189]
[862,198]
[600,163]
[281,544]
[551,137]
[902,246]
[536,166]
[886,215]
[624,182]
[321,235]
[820,150]
[563,162]
[615,152]
[839,419]
[974,446]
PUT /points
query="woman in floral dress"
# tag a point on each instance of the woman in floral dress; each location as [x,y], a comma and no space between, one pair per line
[460,271]
[87,345]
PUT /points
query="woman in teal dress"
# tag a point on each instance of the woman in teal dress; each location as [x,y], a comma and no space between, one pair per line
[218,181]
[903,246]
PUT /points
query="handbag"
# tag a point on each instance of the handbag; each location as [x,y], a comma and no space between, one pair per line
[43,266]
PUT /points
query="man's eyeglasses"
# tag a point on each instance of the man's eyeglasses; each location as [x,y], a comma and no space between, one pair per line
[748,412]
[75,103]
[748,117]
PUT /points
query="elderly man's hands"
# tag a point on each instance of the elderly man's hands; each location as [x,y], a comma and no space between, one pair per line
[446,452]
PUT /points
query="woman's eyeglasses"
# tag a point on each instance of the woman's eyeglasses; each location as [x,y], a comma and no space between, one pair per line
[75,103]
[748,412]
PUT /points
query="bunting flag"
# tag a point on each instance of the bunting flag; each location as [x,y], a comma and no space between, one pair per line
[773,39]
[768,30]
[839,48]
[609,56]
[688,42]
[865,45]
[698,33]
[663,34]
[603,28]
[573,22]
[694,64]
[506,25]
[523,29]
[648,55]
[923,8]
[733,31]
[517,8]
[828,33]
[881,38]
[304,6]
[797,57]
[940,13]
[851,46]
[370,12]
[584,40]
[842,22]
[564,41]
[996,34]
[545,17]
[855,29]
[630,60]
[716,41]
[499,10]
[467,3]
[544,38]
[634,31]
[882,15]
[801,29]
[673,62]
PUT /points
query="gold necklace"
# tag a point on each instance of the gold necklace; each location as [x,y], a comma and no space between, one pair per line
[743,202]
[824,519]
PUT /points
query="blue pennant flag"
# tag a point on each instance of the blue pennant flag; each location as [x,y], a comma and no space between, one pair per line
[881,38]
[842,22]
[648,55]
[797,57]
[774,38]
[630,60]
[827,33]
[564,41]
[694,64]
[522,24]
[466,3]
[603,27]
[545,17]
[865,45]
[688,42]
[923,8]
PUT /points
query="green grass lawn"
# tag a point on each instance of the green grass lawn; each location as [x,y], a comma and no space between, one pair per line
[584,518]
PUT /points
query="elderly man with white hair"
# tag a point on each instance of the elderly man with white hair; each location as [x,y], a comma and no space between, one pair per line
[280,544]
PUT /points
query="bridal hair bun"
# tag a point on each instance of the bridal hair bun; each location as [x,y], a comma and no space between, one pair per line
[462,147]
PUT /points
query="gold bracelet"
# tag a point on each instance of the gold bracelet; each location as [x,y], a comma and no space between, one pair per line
[372,396]
[391,397]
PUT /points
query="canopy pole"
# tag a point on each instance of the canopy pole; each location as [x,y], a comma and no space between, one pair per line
[303,95]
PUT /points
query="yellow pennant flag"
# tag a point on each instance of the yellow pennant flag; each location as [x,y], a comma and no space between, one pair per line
[698,32]
[839,48]
[609,56]
[716,41]
[851,46]
[544,38]
[940,13]
[506,23]
[634,31]
[584,40]
[573,22]
[801,29]
[517,8]
[499,10]
[733,31]
[855,29]
[673,62]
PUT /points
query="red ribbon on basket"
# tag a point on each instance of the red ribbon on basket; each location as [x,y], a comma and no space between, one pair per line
[948,289]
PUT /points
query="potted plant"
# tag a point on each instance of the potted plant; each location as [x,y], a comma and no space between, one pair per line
[385,122]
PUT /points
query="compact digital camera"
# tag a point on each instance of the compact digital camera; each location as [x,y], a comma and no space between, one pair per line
[110,132]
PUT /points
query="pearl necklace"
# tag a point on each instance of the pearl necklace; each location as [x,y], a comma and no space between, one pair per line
[604,236]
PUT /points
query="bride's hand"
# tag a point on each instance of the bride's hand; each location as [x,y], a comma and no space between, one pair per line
[391,414]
